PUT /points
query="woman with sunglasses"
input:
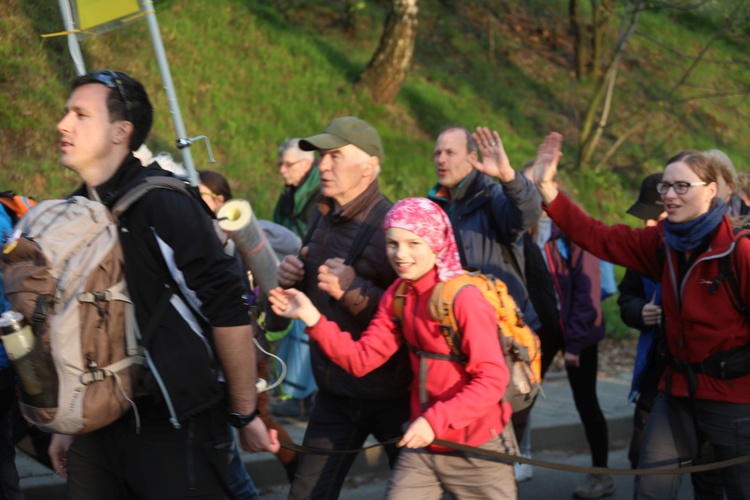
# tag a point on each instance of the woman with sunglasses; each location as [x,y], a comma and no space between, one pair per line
[688,253]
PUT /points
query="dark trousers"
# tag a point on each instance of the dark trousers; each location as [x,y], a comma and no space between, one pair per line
[340,423]
[9,482]
[583,384]
[675,432]
[159,463]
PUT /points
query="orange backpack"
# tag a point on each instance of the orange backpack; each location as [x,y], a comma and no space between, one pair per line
[15,205]
[519,343]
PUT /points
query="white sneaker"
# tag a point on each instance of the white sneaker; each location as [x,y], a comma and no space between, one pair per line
[595,486]
[524,472]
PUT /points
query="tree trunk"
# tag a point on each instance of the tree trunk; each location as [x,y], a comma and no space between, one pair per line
[386,71]
[588,139]
[601,11]
[579,43]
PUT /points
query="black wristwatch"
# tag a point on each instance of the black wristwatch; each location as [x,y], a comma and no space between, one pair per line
[239,420]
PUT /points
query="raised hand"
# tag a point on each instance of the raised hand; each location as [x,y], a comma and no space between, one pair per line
[293,304]
[545,166]
[494,162]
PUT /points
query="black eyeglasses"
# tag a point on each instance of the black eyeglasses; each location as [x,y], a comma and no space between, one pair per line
[111,80]
[679,187]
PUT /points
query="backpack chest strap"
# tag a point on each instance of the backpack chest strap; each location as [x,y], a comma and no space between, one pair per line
[423,357]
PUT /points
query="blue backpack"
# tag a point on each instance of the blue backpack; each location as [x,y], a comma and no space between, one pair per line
[6,226]
[606,270]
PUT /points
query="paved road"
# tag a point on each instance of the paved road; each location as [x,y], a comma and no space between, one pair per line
[546,484]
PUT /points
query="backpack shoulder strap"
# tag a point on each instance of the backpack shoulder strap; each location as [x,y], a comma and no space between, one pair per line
[398,303]
[726,270]
[301,217]
[145,185]
[367,229]
[311,227]
[441,308]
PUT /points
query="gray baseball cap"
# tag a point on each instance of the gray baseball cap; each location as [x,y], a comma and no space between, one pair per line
[346,130]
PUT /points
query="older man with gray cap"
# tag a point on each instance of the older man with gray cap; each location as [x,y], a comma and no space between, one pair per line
[344,270]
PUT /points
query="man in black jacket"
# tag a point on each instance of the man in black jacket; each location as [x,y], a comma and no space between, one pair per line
[347,289]
[176,454]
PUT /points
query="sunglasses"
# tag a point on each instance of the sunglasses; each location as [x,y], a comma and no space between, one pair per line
[111,80]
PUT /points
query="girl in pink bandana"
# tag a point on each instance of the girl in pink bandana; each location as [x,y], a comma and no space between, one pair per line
[464,399]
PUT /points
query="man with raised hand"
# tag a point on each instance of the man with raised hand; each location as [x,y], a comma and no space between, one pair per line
[489,217]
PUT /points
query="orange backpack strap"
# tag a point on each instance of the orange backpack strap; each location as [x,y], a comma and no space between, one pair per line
[398,303]
[441,309]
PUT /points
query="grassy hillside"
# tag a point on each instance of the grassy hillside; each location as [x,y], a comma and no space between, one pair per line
[251,73]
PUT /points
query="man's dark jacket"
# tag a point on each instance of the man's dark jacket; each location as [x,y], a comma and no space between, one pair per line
[489,220]
[334,233]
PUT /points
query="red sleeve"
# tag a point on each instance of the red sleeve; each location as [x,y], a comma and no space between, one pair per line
[619,244]
[487,374]
[359,357]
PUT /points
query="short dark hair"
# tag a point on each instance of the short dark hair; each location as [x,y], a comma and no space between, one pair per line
[471,144]
[216,182]
[139,110]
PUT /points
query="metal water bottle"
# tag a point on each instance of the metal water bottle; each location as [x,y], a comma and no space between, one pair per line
[33,366]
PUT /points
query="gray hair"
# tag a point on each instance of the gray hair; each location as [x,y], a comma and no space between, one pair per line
[293,145]
[723,165]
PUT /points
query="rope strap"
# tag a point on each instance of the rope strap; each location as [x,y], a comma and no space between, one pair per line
[505,457]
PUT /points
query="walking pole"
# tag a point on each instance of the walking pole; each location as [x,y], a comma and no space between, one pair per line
[73,46]
[183,141]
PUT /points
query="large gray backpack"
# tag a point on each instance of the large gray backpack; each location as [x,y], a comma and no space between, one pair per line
[63,270]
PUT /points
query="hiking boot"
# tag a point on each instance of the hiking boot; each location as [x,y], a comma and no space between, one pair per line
[595,486]
[293,408]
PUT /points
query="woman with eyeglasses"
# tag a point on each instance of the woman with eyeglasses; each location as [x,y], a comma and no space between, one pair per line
[704,394]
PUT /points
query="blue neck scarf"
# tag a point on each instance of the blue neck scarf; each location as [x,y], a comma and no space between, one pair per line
[685,236]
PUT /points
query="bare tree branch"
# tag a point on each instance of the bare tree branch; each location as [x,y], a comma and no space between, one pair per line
[675,6]
[682,54]
[728,93]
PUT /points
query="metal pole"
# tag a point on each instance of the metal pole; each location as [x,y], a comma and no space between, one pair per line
[73,46]
[166,76]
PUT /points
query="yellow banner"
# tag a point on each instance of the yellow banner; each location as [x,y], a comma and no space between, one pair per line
[92,13]
[95,13]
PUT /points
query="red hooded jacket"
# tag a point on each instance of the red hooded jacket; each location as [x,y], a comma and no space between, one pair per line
[698,323]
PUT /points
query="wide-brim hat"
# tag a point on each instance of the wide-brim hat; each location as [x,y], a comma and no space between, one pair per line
[649,204]
[343,131]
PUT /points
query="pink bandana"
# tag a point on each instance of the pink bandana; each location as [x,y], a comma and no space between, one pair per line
[428,221]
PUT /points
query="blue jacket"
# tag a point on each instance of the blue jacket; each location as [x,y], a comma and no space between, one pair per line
[6,227]
[635,292]
[487,216]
